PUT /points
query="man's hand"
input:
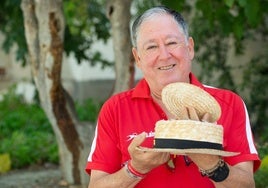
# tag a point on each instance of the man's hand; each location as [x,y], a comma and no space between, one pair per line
[190,113]
[144,161]
[204,161]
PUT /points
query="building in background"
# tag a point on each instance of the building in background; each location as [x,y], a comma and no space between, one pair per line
[82,80]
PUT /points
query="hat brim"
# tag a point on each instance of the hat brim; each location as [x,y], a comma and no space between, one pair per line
[186,151]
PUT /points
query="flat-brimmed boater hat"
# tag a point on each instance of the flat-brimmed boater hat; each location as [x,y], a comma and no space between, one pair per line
[189,136]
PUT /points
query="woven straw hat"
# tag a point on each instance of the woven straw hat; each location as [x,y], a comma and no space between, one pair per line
[176,96]
[189,136]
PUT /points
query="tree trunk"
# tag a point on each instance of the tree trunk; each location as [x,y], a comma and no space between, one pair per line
[44,30]
[118,11]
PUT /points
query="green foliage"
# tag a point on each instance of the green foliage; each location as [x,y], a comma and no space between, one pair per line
[11,25]
[85,24]
[28,148]
[142,5]
[83,27]
[256,81]
[88,110]
[264,163]
[25,133]
[261,175]
[214,23]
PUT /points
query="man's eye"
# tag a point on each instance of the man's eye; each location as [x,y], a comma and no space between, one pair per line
[151,47]
[172,43]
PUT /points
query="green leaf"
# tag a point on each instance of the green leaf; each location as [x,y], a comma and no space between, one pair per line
[177,5]
[238,30]
[242,3]
[229,3]
[252,12]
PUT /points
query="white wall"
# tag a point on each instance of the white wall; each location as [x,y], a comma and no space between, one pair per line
[85,72]
[73,74]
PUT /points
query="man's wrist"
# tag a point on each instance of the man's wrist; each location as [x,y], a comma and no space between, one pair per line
[218,173]
[132,172]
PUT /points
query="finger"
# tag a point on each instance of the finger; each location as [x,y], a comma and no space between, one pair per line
[184,113]
[193,114]
[137,141]
[206,117]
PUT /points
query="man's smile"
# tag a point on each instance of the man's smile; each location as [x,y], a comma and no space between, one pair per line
[166,67]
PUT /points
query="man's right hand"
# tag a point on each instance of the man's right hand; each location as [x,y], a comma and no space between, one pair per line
[144,161]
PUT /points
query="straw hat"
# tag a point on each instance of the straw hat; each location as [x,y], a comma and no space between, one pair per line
[176,96]
[189,136]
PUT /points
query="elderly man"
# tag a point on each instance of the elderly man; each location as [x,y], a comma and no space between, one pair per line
[164,52]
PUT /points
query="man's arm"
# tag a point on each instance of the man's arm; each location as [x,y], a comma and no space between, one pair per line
[118,179]
[143,162]
[240,175]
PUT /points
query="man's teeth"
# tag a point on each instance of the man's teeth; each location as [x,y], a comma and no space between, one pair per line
[166,67]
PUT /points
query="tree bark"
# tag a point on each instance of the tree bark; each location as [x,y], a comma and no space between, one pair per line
[44,31]
[118,11]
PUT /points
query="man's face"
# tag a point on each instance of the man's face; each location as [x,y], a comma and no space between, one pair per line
[163,53]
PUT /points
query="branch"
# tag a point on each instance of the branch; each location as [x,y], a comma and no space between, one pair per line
[31,32]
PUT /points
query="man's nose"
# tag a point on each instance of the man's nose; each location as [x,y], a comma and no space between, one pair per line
[164,52]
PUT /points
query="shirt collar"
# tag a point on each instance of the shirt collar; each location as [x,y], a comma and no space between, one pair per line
[195,81]
[142,89]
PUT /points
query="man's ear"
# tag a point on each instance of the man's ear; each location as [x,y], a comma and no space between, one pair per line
[136,56]
[191,47]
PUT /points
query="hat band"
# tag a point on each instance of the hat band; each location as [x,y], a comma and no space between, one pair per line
[185,144]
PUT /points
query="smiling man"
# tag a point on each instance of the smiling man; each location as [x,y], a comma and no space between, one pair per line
[164,52]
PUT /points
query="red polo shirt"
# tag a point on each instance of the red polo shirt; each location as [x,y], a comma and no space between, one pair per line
[129,113]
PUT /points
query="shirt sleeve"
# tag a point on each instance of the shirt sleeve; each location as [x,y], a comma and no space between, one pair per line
[238,135]
[105,154]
